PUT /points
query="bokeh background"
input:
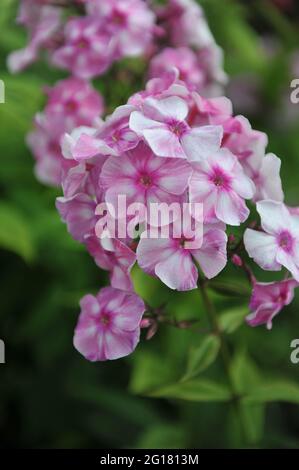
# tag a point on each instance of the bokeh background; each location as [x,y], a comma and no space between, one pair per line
[50,396]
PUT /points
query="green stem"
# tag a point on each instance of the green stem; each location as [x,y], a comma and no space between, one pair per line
[210,309]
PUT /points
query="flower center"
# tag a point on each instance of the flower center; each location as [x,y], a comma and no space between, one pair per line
[145,180]
[83,43]
[71,106]
[89,166]
[119,18]
[282,298]
[285,241]
[177,127]
[220,179]
[105,319]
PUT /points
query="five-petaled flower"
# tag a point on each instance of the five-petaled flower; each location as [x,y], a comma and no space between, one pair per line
[162,124]
[142,177]
[268,299]
[278,244]
[219,182]
[109,324]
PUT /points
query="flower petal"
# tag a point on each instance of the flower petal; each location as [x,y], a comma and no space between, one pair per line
[287,260]
[170,107]
[201,142]
[274,216]
[119,344]
[212,256]
[173,176]
[151,251]
[138,123]
[178,271]
[231,208]
[163,142]
[262,248]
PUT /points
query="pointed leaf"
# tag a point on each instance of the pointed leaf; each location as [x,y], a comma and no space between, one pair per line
[203,356]
[274,390]
[200,390]
[232,319]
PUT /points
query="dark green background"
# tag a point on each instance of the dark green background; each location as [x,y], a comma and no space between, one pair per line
[52,397]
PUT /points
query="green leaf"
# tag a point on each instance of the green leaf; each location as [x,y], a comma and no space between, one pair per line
[15,234]
[247,377]
[244,372]
[150,372]
[198,390]
[203,356]
[274,390]
[232,319]
[252,417]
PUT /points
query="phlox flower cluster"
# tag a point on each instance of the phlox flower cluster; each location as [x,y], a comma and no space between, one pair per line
[71,103]
[175,142]
[169,144]
[190,47]
[86,37]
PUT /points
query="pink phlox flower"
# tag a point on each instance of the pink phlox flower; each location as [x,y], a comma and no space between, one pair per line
[161,87]
[220,184]
[87,50]
[82,176]
[131,23]
[44,142]
[109,324]
[268,299]
[278,244]
[144,178]
[186,24]
[244,142]
[184,60]
[267,179]
[74,102]
[78,212]
[112,138]
[209,111]
[162,124]
[63,112]
[115,256]
[42,23]
[174,259]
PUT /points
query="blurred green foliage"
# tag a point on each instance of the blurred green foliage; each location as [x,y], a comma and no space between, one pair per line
[173,392]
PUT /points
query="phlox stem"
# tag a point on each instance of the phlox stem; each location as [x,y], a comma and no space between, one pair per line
[225,354]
